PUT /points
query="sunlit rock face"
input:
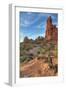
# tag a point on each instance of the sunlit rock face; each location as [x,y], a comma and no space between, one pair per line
[51,30]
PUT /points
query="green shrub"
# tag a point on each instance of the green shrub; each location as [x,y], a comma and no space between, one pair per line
[25,58]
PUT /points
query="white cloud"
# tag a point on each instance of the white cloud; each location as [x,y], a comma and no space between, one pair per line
[21,37]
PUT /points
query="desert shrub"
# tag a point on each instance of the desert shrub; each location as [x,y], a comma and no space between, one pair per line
[21,74]
[25,58]
[38,52]
[41,51]
[56,52]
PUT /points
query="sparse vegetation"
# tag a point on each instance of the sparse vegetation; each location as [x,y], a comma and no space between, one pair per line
[40,49]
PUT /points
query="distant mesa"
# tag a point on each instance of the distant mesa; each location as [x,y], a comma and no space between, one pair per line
[51,31]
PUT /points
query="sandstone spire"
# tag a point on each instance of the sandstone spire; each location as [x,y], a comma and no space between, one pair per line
[51,30]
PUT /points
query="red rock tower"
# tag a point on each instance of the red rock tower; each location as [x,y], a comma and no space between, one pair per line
[51,30]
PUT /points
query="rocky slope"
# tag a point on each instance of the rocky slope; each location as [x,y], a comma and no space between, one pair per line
[37,68]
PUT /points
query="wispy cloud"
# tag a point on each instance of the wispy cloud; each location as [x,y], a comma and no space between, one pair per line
[28,18]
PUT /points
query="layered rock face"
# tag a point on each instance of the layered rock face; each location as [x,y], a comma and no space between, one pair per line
[51,31]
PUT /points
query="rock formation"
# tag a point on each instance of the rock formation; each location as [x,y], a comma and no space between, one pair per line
[51,31]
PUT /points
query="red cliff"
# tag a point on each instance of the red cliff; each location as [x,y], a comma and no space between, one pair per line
[51,31]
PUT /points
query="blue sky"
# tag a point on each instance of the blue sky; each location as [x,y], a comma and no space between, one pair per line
[33,24]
